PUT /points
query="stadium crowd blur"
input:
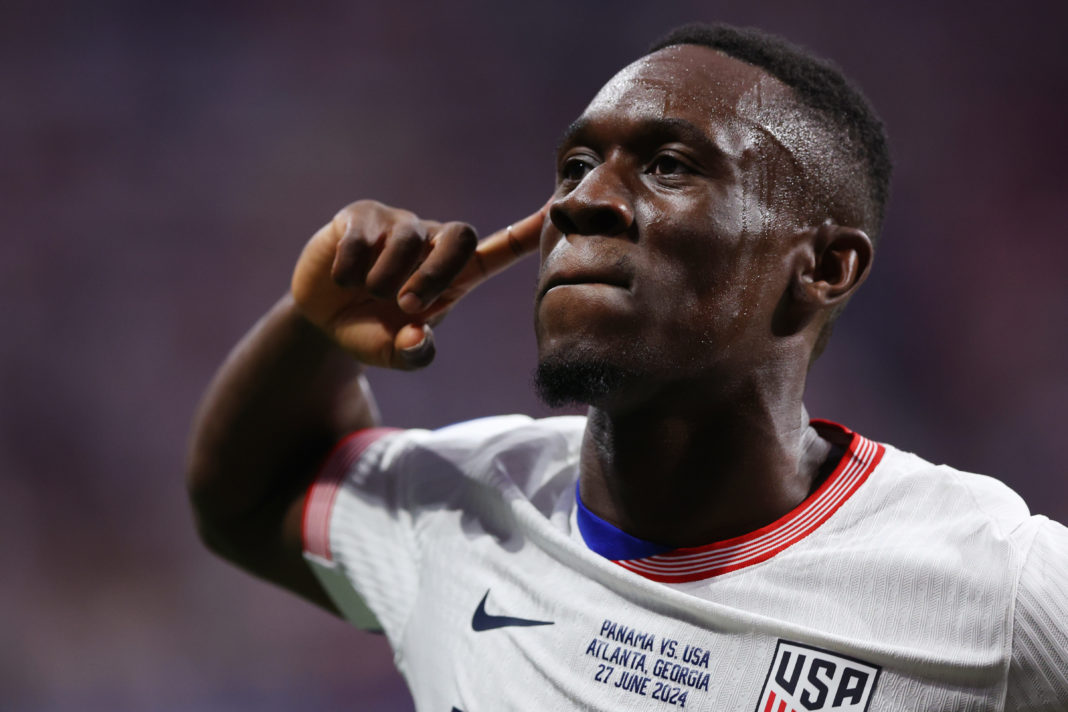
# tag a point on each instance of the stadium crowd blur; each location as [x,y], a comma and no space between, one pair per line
[163,167]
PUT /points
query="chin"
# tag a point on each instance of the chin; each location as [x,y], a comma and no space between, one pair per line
[562,381]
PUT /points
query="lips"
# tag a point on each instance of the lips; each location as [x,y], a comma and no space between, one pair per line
[591,278]
[586,267]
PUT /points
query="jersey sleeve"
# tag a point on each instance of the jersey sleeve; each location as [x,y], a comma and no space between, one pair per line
[354,483]
[364,513]
[1038,670]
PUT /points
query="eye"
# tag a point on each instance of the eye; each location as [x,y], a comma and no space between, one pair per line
[667,164]
[575,169]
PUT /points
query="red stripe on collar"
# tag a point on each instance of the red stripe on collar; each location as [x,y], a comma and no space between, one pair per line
[700,562]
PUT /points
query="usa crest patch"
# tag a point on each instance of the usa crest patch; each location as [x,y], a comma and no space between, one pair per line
[805,679]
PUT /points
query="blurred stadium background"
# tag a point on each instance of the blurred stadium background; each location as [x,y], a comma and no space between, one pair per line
[163,164]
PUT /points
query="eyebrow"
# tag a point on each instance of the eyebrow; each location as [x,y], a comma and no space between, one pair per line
[649,130]
[572,134]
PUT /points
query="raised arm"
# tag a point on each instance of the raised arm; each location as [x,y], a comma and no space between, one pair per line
[365,290]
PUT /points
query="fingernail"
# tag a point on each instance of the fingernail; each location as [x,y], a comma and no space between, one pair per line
[418,355]
[410,303]
[416,348]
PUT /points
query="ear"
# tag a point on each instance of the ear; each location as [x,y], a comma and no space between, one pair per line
[830,262]
[838,260]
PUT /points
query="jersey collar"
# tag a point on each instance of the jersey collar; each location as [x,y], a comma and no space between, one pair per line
[680,565]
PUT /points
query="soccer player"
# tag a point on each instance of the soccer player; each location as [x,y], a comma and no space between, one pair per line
[695,541]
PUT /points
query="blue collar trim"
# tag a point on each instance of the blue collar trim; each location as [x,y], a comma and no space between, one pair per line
[610,541]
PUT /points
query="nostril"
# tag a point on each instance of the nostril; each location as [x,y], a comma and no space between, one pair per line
[605,222]
[573,218]
[561,220]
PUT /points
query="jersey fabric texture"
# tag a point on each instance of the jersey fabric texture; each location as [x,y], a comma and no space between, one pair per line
[896,585]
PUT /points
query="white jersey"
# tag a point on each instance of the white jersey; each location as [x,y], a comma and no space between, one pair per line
[896,585]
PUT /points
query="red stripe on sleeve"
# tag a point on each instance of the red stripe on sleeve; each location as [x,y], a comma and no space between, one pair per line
[319,500]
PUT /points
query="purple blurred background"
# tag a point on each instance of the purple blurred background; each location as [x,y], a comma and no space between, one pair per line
[161,169]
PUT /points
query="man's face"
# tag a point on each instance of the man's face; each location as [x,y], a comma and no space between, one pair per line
[665,252]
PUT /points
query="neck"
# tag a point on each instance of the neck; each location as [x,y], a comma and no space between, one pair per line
[686,471]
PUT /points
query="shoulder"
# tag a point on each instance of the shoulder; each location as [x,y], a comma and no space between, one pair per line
[499,451]
[501,432]
[946,498]
[490,439]
[941,528]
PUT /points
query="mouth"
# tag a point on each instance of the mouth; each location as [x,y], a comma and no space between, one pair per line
[583,282]
[591,279]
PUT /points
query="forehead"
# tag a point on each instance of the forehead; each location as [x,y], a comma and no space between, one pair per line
[735,103]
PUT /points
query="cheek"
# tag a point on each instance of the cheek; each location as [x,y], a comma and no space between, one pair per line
[694,250]
[712,290]
[549,237]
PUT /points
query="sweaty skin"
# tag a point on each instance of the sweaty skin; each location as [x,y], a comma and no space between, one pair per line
[680,248]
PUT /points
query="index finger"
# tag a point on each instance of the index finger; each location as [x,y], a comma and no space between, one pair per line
[502,249]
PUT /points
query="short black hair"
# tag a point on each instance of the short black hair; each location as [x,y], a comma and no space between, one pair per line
[821,86]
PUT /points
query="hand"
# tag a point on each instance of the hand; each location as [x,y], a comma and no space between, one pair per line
[375,277]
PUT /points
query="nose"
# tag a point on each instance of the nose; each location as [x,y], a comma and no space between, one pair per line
[598,205]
